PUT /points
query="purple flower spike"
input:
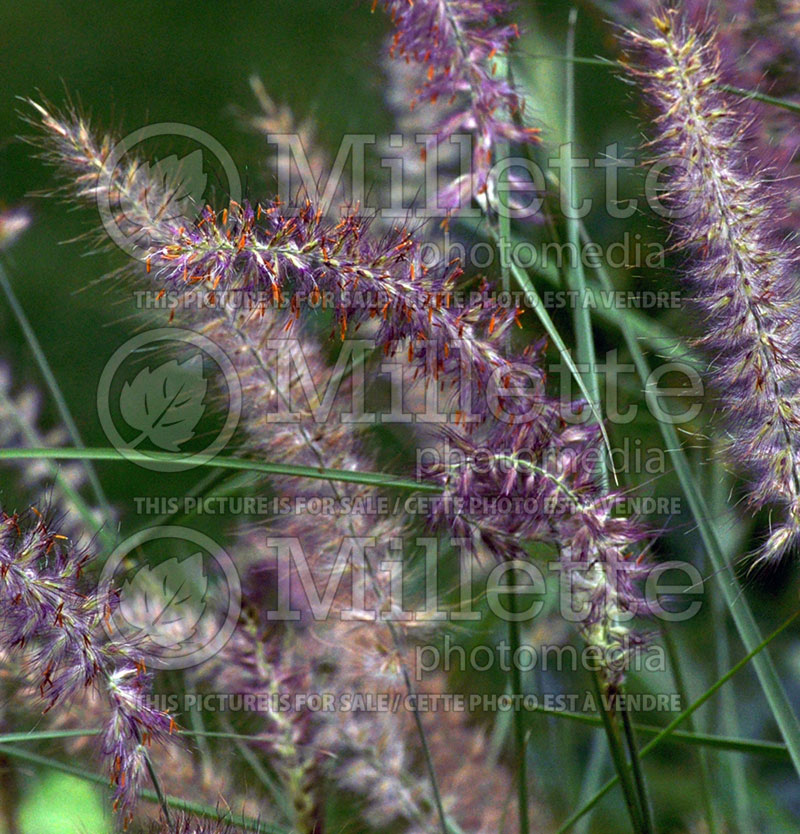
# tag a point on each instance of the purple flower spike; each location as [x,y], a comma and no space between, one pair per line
[455,43]
[743,272]
[284,263]
[54,624]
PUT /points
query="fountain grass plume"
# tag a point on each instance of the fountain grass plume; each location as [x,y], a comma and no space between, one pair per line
[742,270]
[456,47]
[53,621]
[285,262]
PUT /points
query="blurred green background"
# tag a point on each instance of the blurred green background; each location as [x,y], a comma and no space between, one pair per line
[135,63]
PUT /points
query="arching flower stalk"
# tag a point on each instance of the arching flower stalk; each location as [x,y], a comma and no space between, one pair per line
[262,658]
[454,43]
[742,271]
[495,406]
[290,262]
[50,619]
[247,329]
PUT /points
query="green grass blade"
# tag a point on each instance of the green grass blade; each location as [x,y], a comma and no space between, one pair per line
[375,479]
[769,749]
[784,104]
[623,776]
[520,740]
[668,730]
[533,298]
[591,781]
[753,747]
[728,716]
[638,773]
[197,808]
[69,492]
[683,692]
[655,335]
[576,277]
[54,387]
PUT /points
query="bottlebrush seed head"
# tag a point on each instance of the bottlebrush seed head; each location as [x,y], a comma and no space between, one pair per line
[456,44]
[53,621]
[742,272]
[381,282]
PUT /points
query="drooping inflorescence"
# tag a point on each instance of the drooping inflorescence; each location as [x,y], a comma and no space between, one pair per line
[335,692]
[456,44]
[294,261]
[53,621]
[249,332]
[743,273]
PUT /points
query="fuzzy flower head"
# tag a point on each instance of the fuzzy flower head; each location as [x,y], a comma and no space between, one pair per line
[286,263]
[53,620]
[140,207]
[500,494]
[44,611]
[757,47]
[13,223]
[743,271]
[456,46]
